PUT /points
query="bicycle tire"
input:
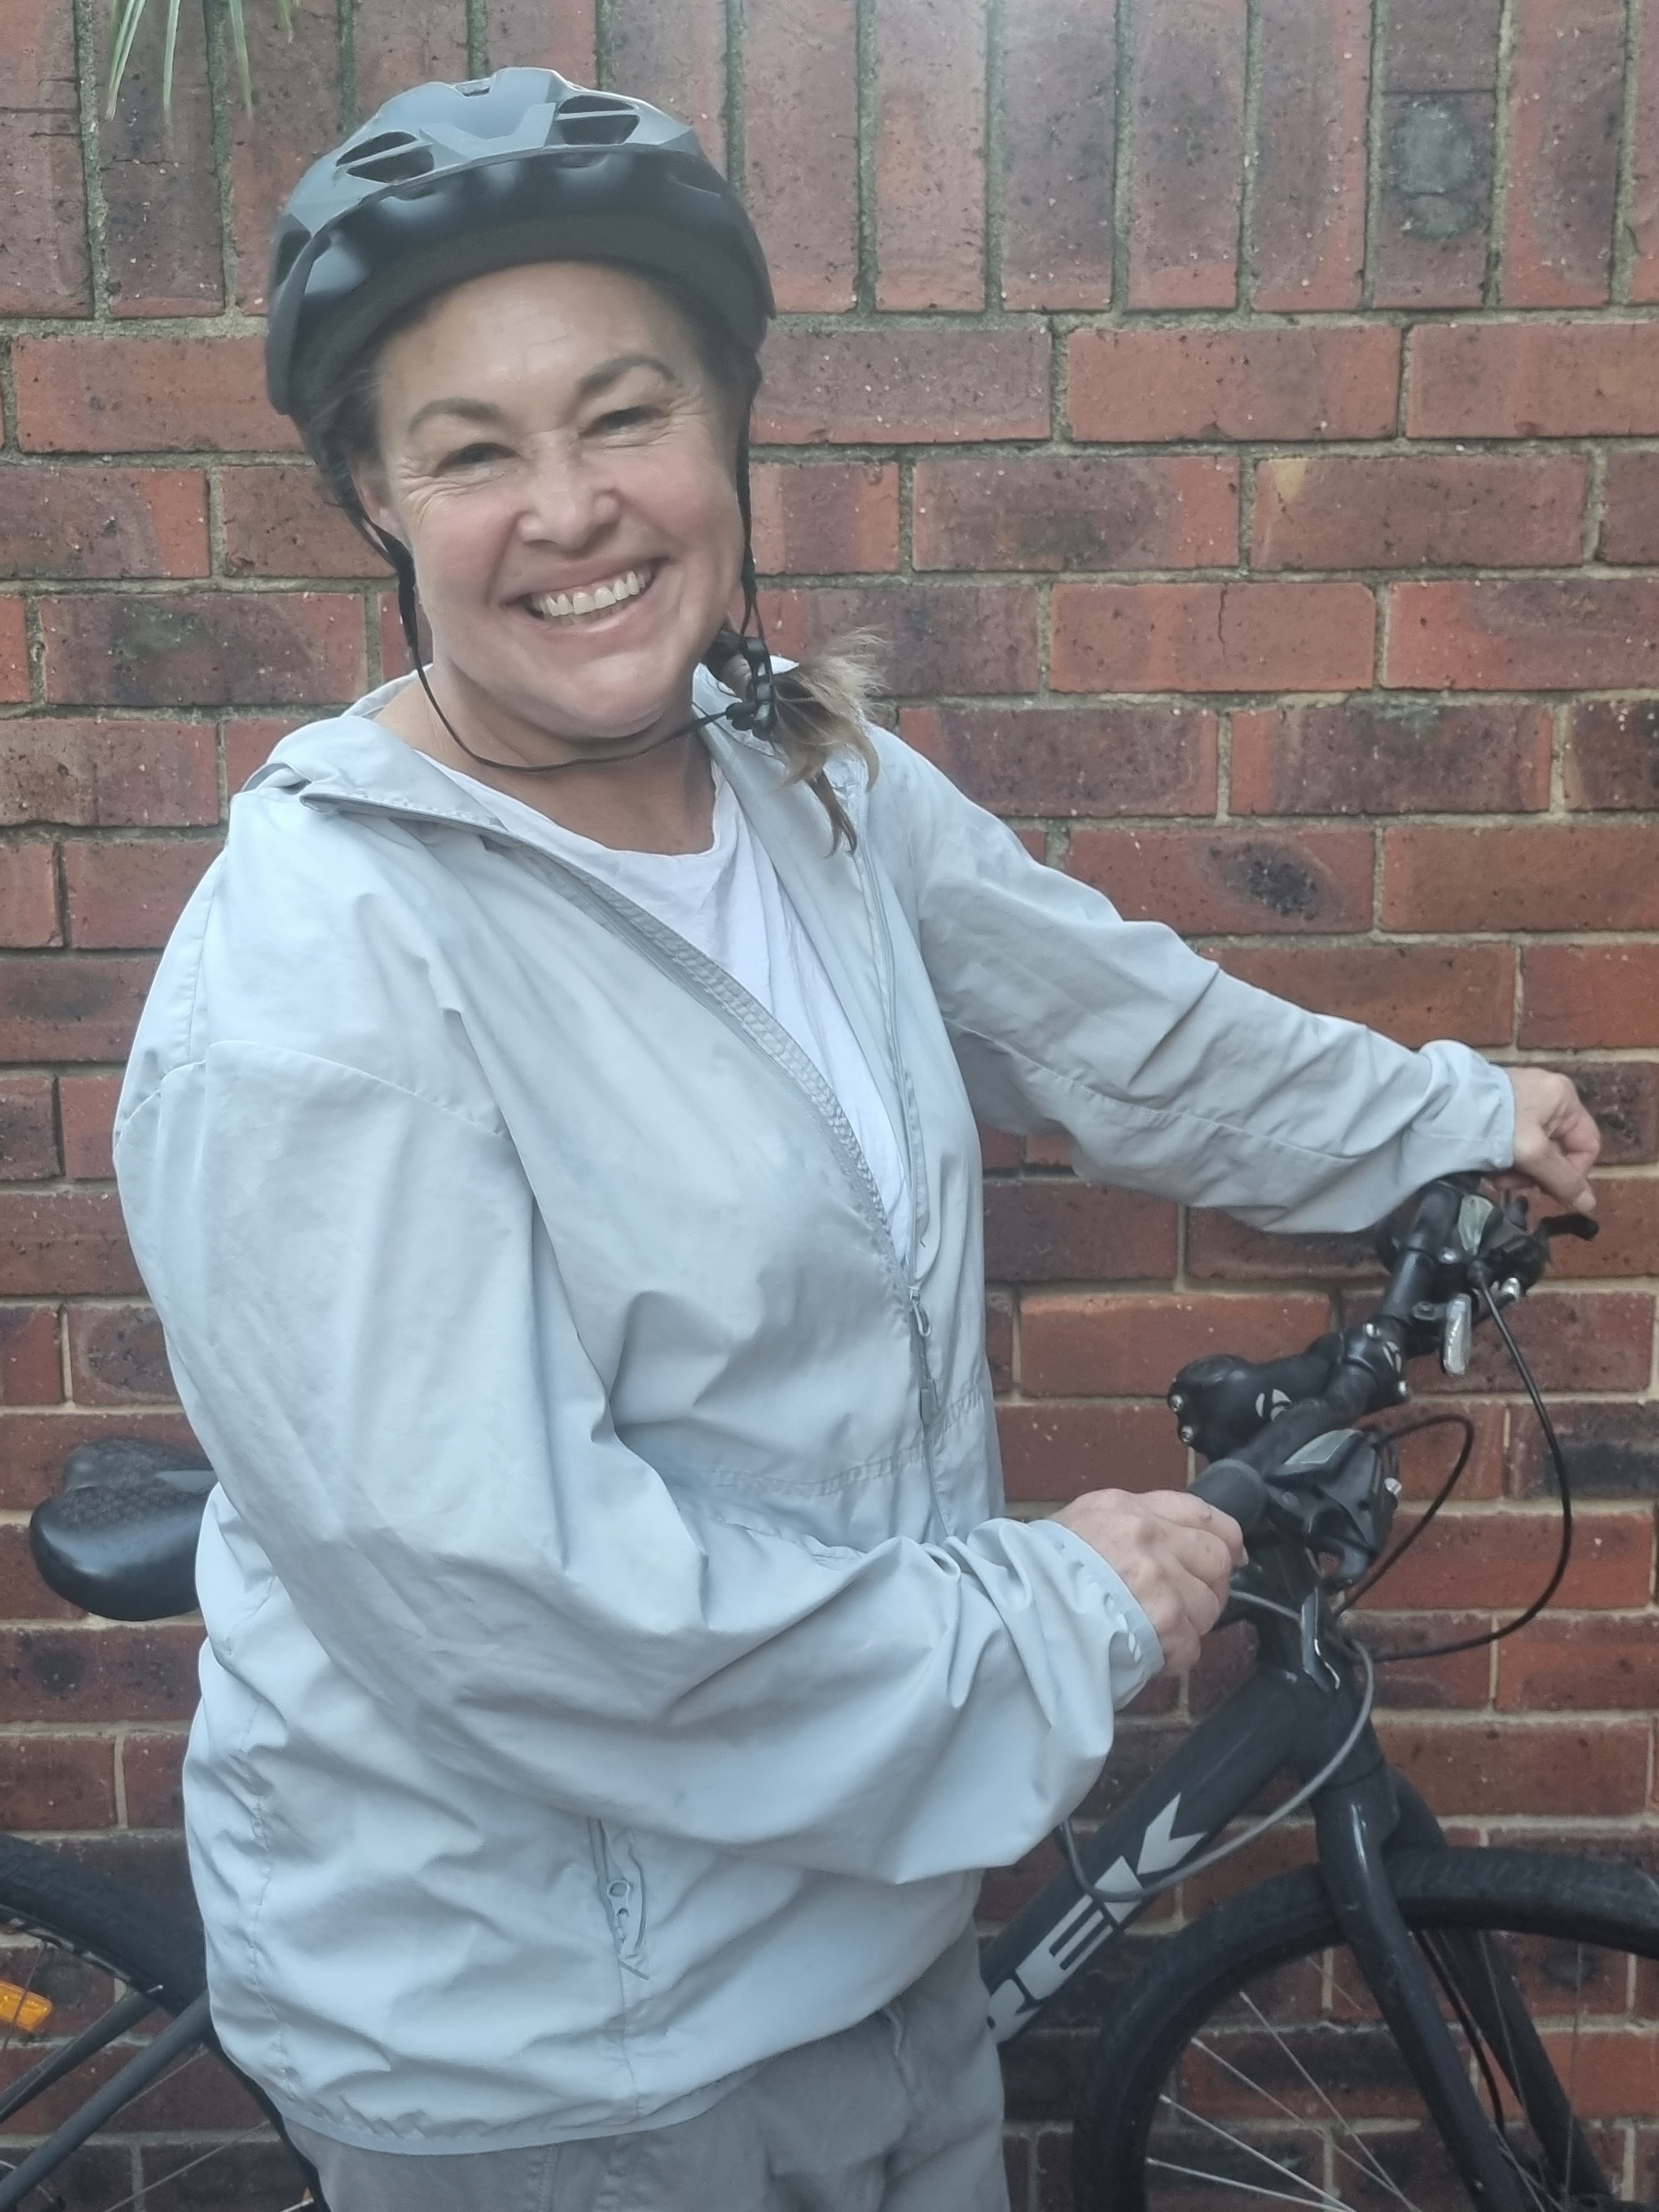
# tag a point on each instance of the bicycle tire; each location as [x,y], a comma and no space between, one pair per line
[1287,1922]
[75,1936]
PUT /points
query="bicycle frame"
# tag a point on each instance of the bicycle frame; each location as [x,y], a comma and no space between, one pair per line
[1294,1713]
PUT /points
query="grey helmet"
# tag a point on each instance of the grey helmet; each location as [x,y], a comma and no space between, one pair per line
[450,181]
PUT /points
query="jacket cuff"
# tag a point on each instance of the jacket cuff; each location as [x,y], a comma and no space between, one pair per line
[1127,1682]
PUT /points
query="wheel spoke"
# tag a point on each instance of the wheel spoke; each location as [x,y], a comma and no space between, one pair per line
[1322,2195]
[1367,2165]
[1278,2196]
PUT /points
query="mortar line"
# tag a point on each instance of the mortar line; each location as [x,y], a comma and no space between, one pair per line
[1623,258]
[88,108]
[1244,250]
[1122,153]
[219,135]
[1497,213]
[737,107]
[864,74]
[345,33]
[1375,157]
[477,37]
[995,151]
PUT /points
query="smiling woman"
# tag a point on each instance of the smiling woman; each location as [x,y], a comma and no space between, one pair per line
[550,1147]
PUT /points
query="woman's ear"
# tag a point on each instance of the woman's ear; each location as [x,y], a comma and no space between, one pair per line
[374,496]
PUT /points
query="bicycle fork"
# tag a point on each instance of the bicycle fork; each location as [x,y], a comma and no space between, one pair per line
[1365,1808]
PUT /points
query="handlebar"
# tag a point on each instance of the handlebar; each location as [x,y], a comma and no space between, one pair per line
[1252,1419]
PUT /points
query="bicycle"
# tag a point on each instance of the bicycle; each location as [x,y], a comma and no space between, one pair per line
[1476,2052]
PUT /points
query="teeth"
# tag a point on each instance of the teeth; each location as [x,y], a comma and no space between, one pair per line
[565,607]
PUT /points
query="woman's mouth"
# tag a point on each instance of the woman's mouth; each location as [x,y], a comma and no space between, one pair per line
[575,607]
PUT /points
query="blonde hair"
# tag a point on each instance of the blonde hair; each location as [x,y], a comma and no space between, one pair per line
[822,708]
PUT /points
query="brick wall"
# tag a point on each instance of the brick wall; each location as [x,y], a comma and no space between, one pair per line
[1242,418]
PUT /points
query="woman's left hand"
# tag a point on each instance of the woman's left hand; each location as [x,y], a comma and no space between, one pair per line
[1557,1142]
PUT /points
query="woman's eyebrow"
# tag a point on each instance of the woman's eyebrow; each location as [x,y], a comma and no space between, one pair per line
[482,411]
[470,410]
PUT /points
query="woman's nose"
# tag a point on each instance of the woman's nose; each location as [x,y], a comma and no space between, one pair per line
[569,501]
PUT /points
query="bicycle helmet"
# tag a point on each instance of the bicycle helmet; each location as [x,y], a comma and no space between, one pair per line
[450,181]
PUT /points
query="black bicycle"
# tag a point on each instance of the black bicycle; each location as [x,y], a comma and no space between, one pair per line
[1403,2025]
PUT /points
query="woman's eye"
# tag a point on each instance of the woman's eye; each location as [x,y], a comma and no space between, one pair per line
[623,419]
[472,457]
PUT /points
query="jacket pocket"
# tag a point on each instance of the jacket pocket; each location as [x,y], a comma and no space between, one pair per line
[622,1892]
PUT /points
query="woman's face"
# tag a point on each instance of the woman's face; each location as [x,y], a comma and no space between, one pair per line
[552,453]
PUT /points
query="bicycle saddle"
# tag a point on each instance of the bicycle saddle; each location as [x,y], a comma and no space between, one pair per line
[119,1538]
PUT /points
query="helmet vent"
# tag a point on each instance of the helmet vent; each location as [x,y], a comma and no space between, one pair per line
[591,119]
[390,159]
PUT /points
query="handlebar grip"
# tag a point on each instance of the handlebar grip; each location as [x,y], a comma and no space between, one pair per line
[1232,1486]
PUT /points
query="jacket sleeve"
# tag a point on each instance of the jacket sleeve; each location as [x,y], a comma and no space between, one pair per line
[1165,1074]
[370,1332]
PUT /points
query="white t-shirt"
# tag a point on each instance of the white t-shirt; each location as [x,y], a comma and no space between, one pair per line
[728,902]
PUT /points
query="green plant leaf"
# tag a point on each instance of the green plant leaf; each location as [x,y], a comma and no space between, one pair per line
[126,15]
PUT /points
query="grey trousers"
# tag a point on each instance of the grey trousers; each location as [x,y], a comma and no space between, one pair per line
[901,2113]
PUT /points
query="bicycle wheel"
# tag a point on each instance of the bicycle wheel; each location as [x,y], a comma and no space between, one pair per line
[1248,2064]
[90,1972]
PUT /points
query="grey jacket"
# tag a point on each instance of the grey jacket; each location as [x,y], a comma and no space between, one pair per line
[618,1667]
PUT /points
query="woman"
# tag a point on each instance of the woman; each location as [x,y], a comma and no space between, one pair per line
[550,1147]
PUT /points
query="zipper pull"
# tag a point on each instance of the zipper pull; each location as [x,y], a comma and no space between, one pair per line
[923,1328]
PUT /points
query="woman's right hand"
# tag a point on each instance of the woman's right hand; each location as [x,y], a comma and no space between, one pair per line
[1174,1552]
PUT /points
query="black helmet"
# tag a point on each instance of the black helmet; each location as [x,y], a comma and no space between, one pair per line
[449,181]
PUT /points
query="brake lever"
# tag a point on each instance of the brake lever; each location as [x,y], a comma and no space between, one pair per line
[1570,1224]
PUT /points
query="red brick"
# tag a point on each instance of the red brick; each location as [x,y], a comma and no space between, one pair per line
[1451,1683]
[35,1445]
[1090,1346]
[1521,878]
[1212,637]
[1059,154]
[397,43]
[1465,1766]
[1380,756]
[204,649]
[118,1357]
[29,1137]
[1624,1097]
[1304,381]
[1092,511]
[1612,759]
[107,774]
[1590,994]
[68,1242]
[86,1104]
[125,895]
[1500,1558]
[1309,246]
[941,637]
[279,522]
[1435,199]
[1186,148]
[999,1151]
[30,1371]
[801,148]
[1221,1249]
[56,1784]
[1611,1451]
[1565,1663]
[23,1595]
[74,522]
[1055,1229]
[1411,992]
[1052,1451]
[1627,1215]
[1642,216]
[296,117]
[13,652]
[249,744]
[1425,1460]
[100,395]
[1069,761]
[1533,634]
[1630,512]
[929,153]
[151,1772]
[1429,47]
[1565,87]
[43,265]
[999,1339]
[826,518]
[928,385]
[1534,380]
[556,35]
[1572,1341]
[1236,882]
[99,1674]
[161,241]
[71,1006]
[672,52]
[28,896]
[1488,511]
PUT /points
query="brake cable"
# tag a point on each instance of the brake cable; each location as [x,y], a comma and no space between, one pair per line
[1395,1438]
